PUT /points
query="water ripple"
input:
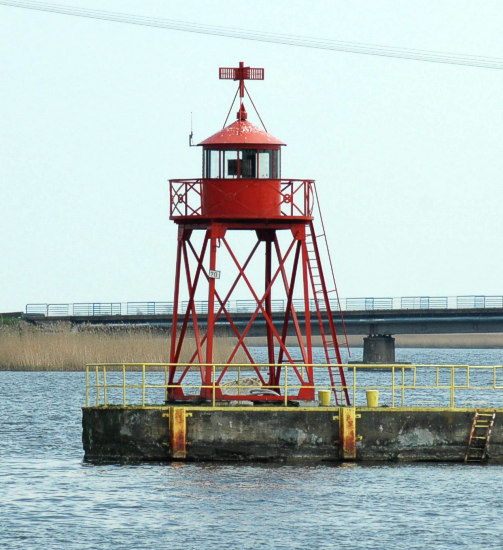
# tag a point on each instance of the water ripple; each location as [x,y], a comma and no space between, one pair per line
[50,499]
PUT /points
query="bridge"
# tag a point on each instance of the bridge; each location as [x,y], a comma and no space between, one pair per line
[377,319]
[362,316]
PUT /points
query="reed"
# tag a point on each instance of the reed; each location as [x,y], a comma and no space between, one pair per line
[27,348]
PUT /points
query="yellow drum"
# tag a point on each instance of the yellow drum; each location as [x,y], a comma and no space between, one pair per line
[324,397]
[372,398]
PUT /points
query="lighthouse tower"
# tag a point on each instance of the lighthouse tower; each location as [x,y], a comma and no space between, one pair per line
[240,219]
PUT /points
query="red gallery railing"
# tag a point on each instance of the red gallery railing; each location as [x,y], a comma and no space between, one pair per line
[295,197]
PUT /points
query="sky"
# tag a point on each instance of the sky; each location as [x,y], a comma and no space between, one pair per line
[95,117]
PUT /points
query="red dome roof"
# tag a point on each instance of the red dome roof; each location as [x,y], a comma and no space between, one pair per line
[241,132]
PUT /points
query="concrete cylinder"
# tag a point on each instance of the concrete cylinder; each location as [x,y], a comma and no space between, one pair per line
[379,348]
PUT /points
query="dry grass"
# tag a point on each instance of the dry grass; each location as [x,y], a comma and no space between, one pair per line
[58,348]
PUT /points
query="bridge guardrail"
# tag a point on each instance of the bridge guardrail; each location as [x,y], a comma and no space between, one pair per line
[368,304]
[424,302]
[149,308]
[247,306]
[466,302]
[58,310]
[96,309]
[36,309]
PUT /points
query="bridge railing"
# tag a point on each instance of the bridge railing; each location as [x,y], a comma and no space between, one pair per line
[467,302]
[367,304]
[419,386]
[92,309]
[149,308]
[424,302]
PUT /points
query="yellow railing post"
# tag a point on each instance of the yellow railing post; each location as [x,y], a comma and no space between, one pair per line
[87,385]
[452,387]
[354,386]
[165,381]
[392,387]
[403,386]
[143,386]
[286,386]
[213,368]
[105,400]
[124,398]
[239,379]
[97,386]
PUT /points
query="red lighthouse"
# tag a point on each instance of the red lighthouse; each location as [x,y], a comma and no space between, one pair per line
[242,196]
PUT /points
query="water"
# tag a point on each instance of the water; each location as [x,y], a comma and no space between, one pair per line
[50,499]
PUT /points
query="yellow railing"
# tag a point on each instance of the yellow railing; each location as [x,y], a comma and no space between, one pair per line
[422,386]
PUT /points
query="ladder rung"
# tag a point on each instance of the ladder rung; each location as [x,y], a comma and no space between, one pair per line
[479,437]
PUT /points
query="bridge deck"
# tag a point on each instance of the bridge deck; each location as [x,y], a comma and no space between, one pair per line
[395,321]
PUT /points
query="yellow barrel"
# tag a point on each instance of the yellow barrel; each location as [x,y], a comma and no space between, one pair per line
[324,397]
[372,398]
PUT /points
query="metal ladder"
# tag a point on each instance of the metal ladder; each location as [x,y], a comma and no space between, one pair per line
[480,434]
[318,286]
[322,294]
[315,267]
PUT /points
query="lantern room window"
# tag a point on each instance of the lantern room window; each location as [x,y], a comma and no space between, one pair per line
[211,164]
[248,158]
[230,164]
[269,164]
[241,163]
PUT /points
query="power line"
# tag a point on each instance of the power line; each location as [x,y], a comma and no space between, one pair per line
[431,56]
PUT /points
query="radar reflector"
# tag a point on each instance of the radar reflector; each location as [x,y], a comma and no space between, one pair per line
[241,73]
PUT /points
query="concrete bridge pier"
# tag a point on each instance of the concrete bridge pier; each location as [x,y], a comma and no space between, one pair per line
[379,348]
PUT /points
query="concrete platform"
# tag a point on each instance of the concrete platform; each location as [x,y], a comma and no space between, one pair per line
[317,434]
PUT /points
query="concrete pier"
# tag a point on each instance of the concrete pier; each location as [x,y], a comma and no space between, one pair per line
[379,348]
[318,434]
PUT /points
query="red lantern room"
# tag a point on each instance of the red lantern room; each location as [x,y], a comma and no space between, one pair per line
[242,170]
[242,189]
